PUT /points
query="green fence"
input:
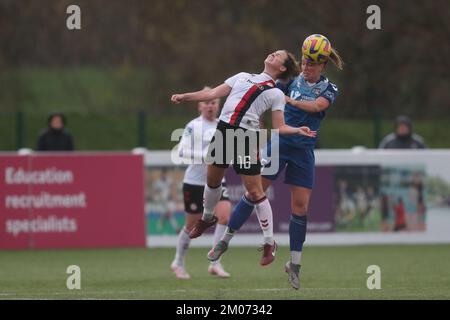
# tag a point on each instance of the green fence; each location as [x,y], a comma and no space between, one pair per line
[124,131]
[93,131]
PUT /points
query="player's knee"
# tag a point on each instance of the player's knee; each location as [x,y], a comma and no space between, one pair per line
[213,182]
[300,208]
[255,195]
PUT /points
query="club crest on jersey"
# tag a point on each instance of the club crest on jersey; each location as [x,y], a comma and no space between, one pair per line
[269,84]
[316,91]
[188,132]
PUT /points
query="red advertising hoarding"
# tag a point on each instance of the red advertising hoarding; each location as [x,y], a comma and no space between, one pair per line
[72,201]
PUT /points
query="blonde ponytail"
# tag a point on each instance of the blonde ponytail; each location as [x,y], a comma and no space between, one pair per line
[336,59]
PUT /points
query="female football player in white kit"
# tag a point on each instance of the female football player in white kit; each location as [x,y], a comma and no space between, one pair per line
[193,147]
[249,96]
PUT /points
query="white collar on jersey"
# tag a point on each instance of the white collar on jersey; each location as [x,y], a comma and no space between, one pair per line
[206,120]
[321,78]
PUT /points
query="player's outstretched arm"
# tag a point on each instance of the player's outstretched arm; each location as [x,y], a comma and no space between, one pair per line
[202,95]
[318,105]
[278,123]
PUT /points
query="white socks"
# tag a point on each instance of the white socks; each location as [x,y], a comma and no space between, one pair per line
[265,217]
[218,233]
[184,241]
[210,199]
[182,247]
[296,257]
[228,235]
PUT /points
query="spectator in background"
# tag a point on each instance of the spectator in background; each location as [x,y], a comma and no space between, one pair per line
[402,137]
[400,215]
[55,137]
[384,208]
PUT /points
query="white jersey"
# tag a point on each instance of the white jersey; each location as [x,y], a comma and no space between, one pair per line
[251,95]
[194,145]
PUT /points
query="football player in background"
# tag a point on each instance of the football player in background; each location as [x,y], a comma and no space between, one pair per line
[198,133]
[166,196]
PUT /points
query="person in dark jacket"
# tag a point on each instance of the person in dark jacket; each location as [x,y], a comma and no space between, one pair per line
[55,137]
[402,137]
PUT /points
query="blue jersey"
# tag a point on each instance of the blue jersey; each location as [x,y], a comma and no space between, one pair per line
[300,89]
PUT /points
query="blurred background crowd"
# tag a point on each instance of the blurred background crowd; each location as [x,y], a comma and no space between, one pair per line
[113,78]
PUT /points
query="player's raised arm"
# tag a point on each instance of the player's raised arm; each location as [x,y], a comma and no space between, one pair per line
[278,123]
[318,105]
[202,95]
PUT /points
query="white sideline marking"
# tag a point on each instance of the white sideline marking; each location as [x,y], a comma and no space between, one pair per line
[86,293]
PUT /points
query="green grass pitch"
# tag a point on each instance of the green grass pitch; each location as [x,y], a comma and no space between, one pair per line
[407,272]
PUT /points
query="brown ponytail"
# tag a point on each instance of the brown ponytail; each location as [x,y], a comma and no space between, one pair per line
[292,67]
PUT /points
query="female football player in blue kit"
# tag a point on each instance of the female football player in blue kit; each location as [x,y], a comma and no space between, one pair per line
[307,99]
[308,96]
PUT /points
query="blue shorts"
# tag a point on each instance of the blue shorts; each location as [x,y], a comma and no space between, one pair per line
[299,165]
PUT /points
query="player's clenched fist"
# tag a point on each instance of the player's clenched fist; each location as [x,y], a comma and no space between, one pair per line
[177,98]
